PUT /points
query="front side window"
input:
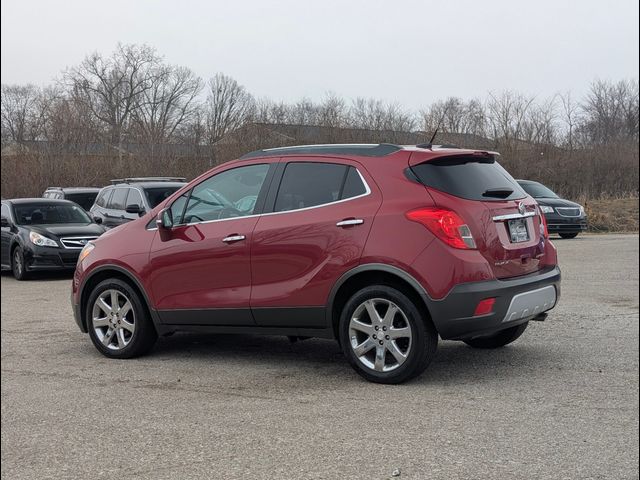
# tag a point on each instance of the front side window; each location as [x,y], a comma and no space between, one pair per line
[119,198]
[232,193]
[306,184]
[134,198]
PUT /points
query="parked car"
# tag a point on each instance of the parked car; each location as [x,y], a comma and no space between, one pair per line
[565,218]
[44,234]
[382,247]
[83,196]
[129,198]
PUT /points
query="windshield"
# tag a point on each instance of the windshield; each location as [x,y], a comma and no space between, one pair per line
[537,190]
[158,194]
[85,200]
[48,214]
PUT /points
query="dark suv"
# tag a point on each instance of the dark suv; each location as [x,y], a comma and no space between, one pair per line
[129,198]
[83,196]
[383,247]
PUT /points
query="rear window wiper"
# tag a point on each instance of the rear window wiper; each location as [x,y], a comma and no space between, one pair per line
[498,192]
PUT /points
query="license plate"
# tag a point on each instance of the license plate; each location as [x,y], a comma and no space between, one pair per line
[518,230]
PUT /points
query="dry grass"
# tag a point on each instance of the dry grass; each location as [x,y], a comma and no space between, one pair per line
[613,215]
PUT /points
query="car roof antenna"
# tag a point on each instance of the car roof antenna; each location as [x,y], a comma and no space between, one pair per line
[433,137]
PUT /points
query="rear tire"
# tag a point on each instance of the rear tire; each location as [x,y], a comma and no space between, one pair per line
[567,236]
[500,339]
[18,265]
[385,336]
[118,322]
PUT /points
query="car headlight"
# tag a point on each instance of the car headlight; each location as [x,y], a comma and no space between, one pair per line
[546,209]
[41,240]
[86,250]
[583,213]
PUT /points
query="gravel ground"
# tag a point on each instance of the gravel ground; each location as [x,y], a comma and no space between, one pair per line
[560,403]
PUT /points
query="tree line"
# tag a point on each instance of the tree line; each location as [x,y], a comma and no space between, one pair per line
[132,113]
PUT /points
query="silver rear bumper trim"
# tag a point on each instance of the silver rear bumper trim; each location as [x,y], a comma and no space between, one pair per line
[529,304]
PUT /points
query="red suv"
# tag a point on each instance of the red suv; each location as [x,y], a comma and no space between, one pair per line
[382,247]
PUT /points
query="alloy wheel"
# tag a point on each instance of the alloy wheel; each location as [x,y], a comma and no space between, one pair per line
[113,319]
[380,335]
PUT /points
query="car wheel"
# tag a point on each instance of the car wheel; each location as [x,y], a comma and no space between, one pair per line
[500,339]
[18,266]
[385,336]
[118,322]
[568,235]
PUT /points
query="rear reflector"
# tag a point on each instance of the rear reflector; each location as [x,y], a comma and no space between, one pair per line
[484,307]
[444,224]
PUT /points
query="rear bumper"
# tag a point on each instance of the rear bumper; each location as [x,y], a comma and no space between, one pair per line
[518,300]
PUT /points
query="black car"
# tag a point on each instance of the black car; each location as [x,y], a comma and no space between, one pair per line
[44,234]
[130,198]
[565,218]
[83,196]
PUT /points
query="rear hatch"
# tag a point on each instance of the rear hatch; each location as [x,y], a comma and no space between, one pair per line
[503,219]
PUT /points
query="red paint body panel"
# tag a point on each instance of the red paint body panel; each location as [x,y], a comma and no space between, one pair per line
[294,258]
[297,256]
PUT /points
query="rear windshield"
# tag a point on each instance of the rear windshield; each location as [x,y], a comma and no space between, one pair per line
[85,200]
[158,194]
[472,178]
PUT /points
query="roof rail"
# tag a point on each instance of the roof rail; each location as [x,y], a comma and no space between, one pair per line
[116,181]
[364,150]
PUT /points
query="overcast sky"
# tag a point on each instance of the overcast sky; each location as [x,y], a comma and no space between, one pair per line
[410,52]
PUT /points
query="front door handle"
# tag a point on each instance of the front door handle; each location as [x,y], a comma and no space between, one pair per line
[350,222]
[233,238]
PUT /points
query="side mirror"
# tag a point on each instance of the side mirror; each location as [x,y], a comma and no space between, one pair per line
[98,220]
[164,221]
[4,222]
[135,209]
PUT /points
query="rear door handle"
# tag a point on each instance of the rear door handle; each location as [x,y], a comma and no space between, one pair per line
[233,238]
[350,222]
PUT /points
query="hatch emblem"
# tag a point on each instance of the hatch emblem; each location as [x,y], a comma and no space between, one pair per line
[522,208]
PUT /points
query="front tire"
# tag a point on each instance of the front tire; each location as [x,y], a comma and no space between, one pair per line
[385,336]
[118,322]
[500,339]
[18,265]
[568,236]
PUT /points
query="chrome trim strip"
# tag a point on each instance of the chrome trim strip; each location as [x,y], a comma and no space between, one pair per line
[513,216]
[75,240]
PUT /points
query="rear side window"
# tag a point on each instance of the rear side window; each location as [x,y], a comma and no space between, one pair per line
[469,177]
[307,184]
[103,196]
[119,198]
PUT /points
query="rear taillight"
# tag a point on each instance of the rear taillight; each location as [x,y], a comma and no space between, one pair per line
[544,229]
[444,224]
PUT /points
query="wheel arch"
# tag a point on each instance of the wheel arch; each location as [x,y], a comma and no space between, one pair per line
[374,274]
[105,272]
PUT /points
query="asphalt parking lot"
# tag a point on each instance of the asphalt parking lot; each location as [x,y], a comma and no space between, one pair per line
[560,403]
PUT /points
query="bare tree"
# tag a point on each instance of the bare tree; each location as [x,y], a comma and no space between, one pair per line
[162,108]
[570,117]
[113,87]
[228,107]
[506,115]
[22,113]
